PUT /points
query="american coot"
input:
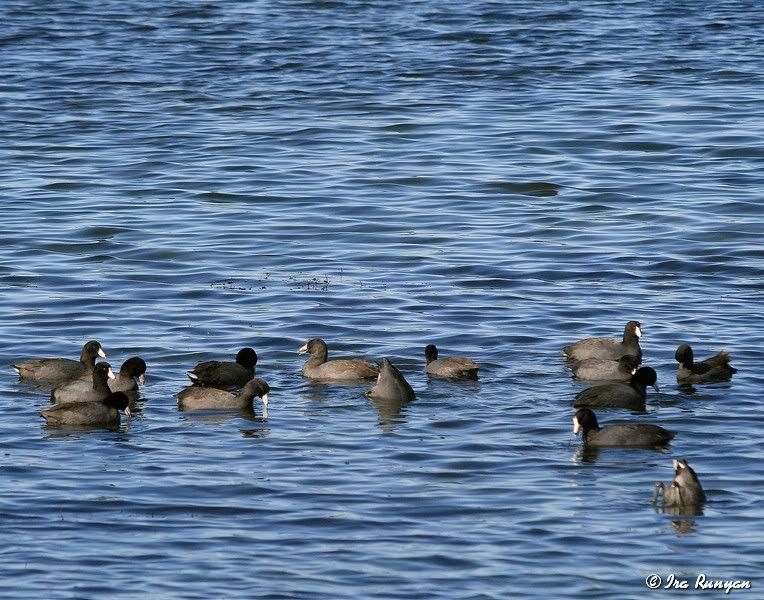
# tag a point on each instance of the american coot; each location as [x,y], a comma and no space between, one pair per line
[225,375]
[684,492]
[391,385]
[130,374]
[319,367]
[453,367]
[714,369]
[76,392]
[104,413]
[598,369]
[619,395]
[59,370]
[618,434]
[606,348]
[197,397]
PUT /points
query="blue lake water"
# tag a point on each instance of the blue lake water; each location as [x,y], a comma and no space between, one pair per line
[182,179]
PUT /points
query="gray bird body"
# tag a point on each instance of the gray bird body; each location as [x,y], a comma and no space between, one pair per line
[606,348]
[104,413]
[197,397]
[683,494]
[131,373]
[711,370]
[60,370]
[598,369]
[451,367]
[79,391]
[225,375]
[618,434]
[391,385]
[630,395]
[319,367]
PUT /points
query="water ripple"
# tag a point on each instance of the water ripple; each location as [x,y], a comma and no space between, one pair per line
[181,181]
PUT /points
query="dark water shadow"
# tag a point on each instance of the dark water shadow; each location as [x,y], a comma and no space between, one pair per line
[322,391]
[58,432]
[584,454]
[688,389]
[683,526]
[390,413]
[217,416]
[258,433]
[469,384]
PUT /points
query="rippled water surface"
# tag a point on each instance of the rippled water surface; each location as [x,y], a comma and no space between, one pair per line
[181,179]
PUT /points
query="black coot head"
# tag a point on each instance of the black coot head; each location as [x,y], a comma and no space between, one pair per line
[134,367]
[431,353]
[646,376]
[247,357]
[684,355]
[584,420]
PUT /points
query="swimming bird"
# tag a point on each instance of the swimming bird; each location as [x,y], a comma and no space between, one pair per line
[391,385]
[620,395]
[453,367]
[598,369]
[711,370]
[618,434]
[197,397]
[97,390]
[318,366]
[103,413]
[225,375]
[59,370]
[606,348]
[684,491]
[130,375]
